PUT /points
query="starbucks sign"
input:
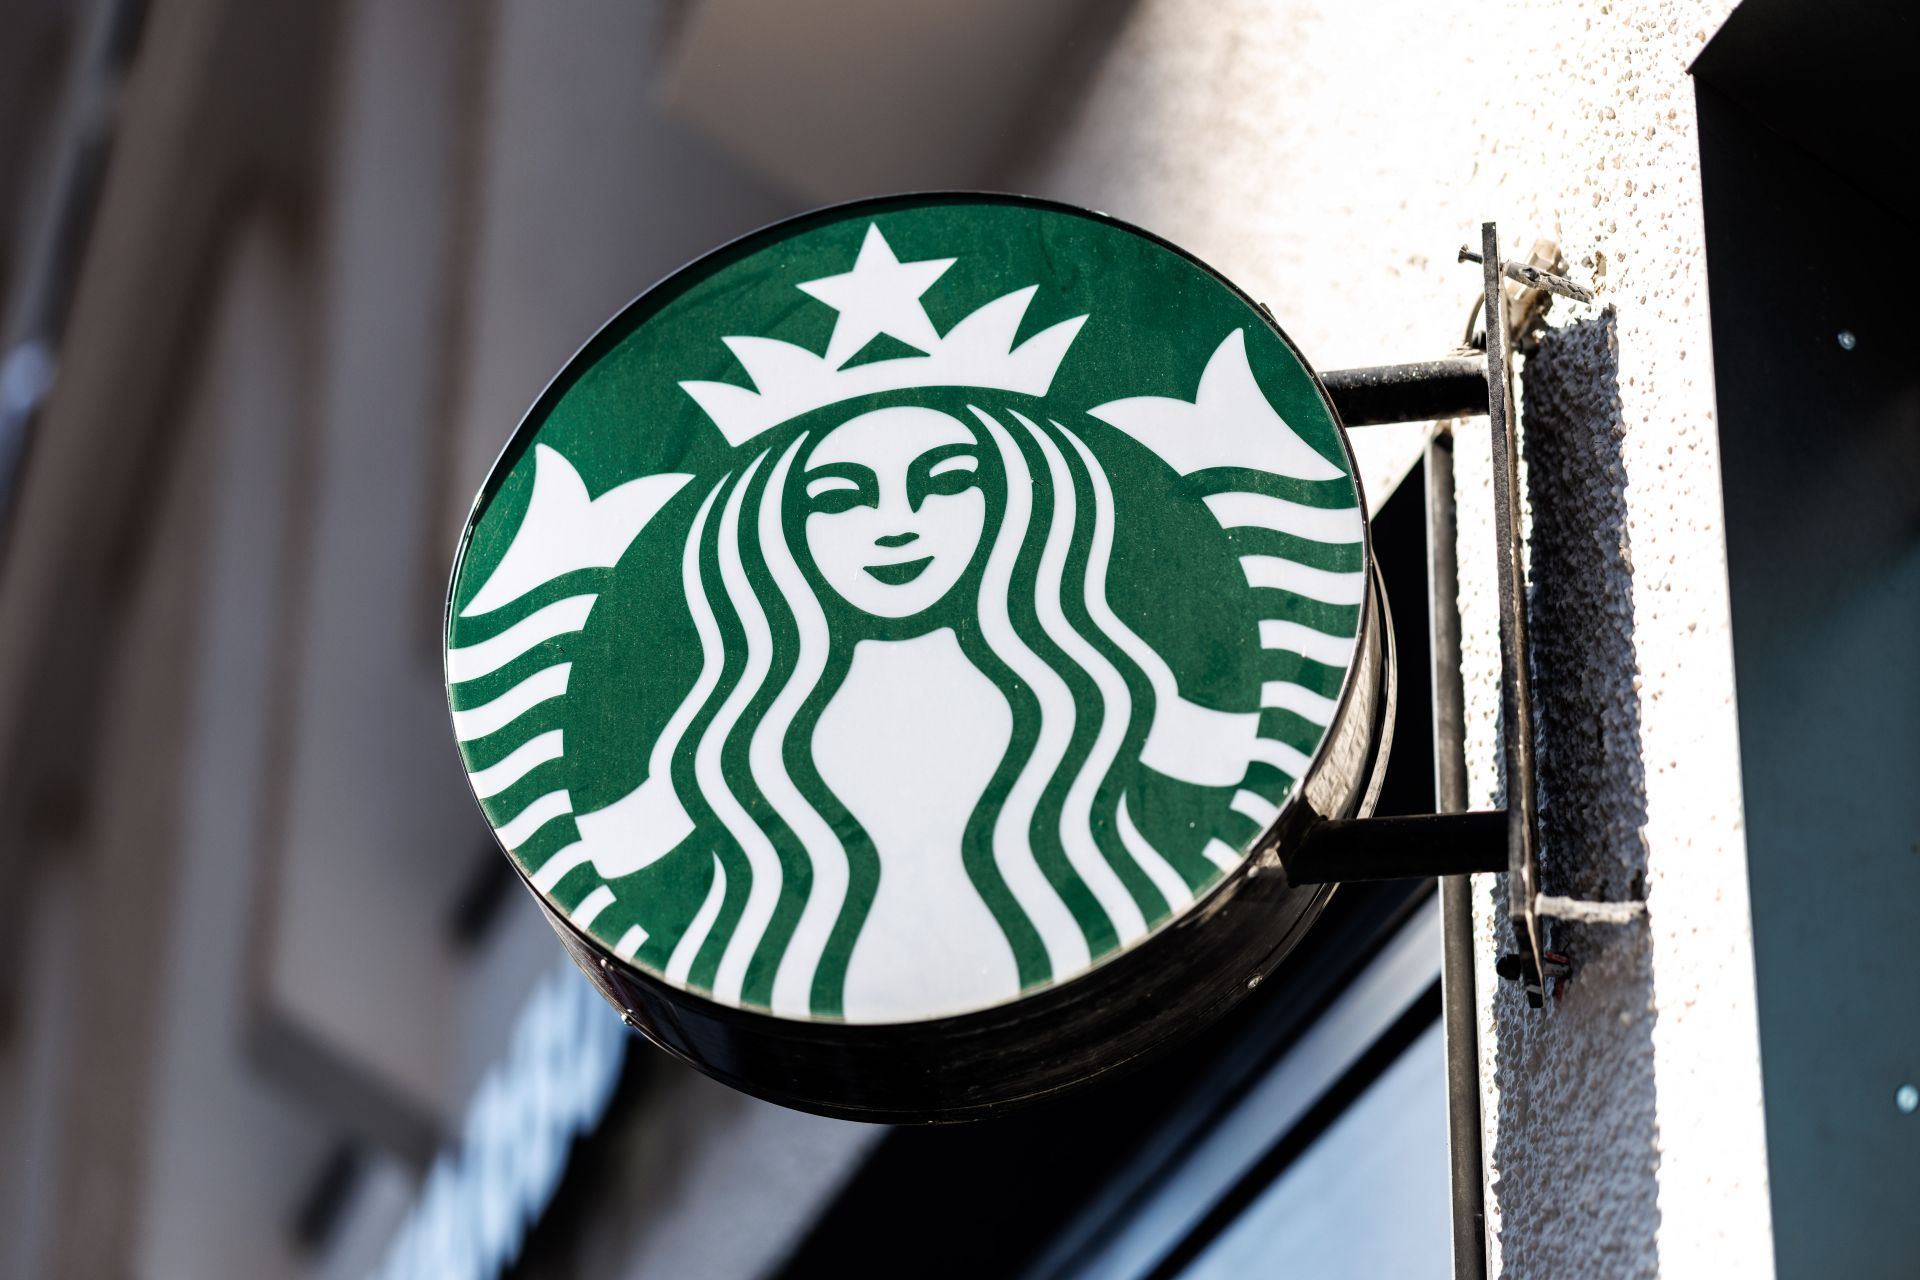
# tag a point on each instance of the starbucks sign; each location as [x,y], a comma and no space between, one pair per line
[893,648]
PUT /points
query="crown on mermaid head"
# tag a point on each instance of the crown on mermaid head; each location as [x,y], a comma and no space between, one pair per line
[881,295]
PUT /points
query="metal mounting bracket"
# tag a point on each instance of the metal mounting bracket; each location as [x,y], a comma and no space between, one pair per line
[1453,843]
[1457,843]
[1516,685]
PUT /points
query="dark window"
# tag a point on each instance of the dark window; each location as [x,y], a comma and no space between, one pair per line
[1807,132]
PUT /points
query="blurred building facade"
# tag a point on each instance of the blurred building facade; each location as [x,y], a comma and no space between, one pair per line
[249,247]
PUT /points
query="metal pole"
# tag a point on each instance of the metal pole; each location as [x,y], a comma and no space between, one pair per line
[1516,691]
[1416,846]
[1456,895]
[1427,390]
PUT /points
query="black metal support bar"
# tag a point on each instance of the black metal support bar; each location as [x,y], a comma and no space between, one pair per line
[1443,622]
[1424,391]
[1516,692]
[1400,848]
[1458,1011]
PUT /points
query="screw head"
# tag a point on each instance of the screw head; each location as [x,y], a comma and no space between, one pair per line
[1847,340]
[1907,1098]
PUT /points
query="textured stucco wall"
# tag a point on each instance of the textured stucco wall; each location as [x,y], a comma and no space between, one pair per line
[1331,158]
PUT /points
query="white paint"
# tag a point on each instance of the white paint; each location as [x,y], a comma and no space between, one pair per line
[524,759]
[489,717]
[793,981]
[1258,808]
[916,719]
[1287,696]
[1584,909]
[630,942]
[1289,760]
[1262,511]
[1100,610]
[1185,740]
[559,863]
[591,906]
[1201,745]
[564,530]
[636,830]
[1304,580]
[854,547]
[470,662]
[1221,855]
[1228,423]
[880,295]
[1335,651]
[536,815]
[1076,815]
[763,861]
[687,950]
[979,351]
[1152,861]
[1012,850]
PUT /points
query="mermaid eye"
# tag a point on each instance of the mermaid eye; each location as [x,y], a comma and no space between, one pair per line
[953,469]
[959,462]
[842,489]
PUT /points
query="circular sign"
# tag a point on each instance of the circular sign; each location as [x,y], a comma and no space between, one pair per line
[894,648]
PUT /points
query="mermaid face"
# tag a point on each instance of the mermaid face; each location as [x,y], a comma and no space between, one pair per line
[894,508]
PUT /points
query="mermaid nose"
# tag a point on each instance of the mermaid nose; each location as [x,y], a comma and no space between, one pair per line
[895,539]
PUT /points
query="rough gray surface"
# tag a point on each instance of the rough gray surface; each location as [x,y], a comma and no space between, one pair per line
[1576,1081]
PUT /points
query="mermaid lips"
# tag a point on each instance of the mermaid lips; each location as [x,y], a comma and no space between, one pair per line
[899,575]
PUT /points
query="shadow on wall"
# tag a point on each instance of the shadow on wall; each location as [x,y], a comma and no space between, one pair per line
[1576,1079]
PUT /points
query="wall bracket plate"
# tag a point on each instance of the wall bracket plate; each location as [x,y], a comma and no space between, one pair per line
[1446,844]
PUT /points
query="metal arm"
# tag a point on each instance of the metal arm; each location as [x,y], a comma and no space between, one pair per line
[1399,848]
[1456,387]
[1452,844]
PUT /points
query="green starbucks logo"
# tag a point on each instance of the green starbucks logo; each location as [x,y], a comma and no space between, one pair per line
[906,609]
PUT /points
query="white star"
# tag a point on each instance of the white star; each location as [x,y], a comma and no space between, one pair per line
[880,295]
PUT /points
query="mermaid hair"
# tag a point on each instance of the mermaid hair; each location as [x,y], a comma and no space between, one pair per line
[1050,847]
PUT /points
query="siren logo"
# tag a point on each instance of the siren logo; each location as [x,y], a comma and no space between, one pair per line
[906,610]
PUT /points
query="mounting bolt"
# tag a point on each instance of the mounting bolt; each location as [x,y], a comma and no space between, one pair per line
[1556,969]
[1553,965]
[1534,278]
[1847,340]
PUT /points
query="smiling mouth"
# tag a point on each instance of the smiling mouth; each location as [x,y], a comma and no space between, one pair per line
[899,575]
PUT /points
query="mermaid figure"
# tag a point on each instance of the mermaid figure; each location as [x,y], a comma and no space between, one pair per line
[912,773]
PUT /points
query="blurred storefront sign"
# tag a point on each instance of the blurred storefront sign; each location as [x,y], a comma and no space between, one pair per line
[484,1194]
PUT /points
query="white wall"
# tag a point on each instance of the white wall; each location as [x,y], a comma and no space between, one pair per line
[1330,158]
